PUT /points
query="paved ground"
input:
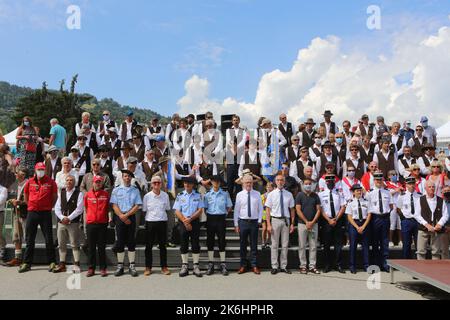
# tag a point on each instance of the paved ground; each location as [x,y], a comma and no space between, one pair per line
[39,284]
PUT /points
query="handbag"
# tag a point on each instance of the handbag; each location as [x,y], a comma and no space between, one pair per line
[30,147]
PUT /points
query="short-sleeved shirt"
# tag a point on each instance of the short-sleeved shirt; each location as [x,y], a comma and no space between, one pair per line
[188,203]
[386,198]
[353,208]
[60,136]
[325,200]
[217,203]
[156,206]
[309,205]
[273,202]
[126,197]
[40,193]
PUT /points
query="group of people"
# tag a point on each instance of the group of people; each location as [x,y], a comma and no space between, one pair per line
[370,184]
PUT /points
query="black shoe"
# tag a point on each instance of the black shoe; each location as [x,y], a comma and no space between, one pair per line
[352,271]
[210,270]
[132,271]
[340,270]
[286,271]
[386,269]
[119,271]
[184,270]
[274,271]
[326,269]
[223,269]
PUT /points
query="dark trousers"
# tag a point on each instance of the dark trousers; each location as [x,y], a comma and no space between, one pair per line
[215,225]
[44,220]
[232,175]
[409,234]
[380,240]
[356,238]
[193,235]
[333,236]
[155,230]
[96,241]
[126,234]
[248,228]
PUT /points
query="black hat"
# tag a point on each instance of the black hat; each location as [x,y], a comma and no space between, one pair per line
[189,180]
[216,178]
[327,113]
[410,180]
[356,186]
[378,176]
[327,144]
[330,177]
[128,172]
[83,137]
[104,148]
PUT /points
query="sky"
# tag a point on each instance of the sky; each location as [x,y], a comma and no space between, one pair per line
[252,57]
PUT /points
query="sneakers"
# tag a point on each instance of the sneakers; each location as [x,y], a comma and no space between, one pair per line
[223,269]
[210,270]
[76,268]
[60,268]
[24,268]
[171,245]
[52,267]
[119,271]
[132,270]
[197,271]
[90,273]
[165,271]
[184,270]
[14,263]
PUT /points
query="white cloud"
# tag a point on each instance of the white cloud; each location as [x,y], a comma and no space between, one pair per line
[406,83]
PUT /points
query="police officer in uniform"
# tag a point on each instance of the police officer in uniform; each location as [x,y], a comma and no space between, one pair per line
[188,208]
[380,206]
[333,208]
[358,229]
[217,205]
[126,200]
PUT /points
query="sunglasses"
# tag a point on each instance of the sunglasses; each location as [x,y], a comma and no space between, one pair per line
[353,149]
[106,114]
[419,129]
[416,169]
[435,166]
[133,162]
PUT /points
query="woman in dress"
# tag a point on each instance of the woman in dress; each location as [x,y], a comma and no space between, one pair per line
[27,144]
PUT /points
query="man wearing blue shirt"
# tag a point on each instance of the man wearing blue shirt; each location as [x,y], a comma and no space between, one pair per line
[217,205]
[188,208]
[126,200]
[58,137]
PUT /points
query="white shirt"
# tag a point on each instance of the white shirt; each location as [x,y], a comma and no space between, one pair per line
[129,136]
[60,178]
[198,153]
[139,177]
[373,198]
[218,141]
[401,168]
[241,206]
[229,140]
[185,136]
[325,202]
[329,159]
[394,139]
[346,185]
[432,203]
[281,139]
[352,208]
[327,128]
[156,206]
[3,197]
[293,172]
[424,170]
[76,213]
[273,202]
[252,157]
[404,204]
[355,164]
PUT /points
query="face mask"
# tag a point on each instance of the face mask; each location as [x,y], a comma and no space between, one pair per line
[394,179]
[106,118]
[339,140]
[26,123]
[307,187]
[40,174]
[318,141]
[351,174]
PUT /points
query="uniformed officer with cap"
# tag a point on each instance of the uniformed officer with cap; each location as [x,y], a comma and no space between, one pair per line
[358,229]
[406,209]
[217,205]
[333,208]
[188,209]
[380,206]
[126,201]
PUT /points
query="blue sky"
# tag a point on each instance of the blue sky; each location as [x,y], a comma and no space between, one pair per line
[142,52]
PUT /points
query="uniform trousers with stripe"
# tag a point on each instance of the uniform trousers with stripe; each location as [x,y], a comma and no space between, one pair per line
[380,240]
[409,234]
[356,238]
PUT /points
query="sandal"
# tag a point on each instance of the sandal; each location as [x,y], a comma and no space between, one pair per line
[314,270]
[303,270]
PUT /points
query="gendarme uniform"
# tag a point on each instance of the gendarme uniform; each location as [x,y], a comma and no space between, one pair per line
[188,204]
[358,209]
[216,207]
[380,206]
[407,205]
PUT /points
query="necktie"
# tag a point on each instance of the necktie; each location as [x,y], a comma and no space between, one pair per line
[281,203]
[360,215]
[380,202]
[412,205]
[249,206]
[333,211]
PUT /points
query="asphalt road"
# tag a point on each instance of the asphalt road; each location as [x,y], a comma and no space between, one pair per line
[40,284]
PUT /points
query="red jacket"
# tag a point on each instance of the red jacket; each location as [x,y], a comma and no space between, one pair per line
[40,193]
[97,206]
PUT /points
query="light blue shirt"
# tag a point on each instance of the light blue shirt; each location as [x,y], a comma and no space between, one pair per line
[188,203]
[60,136]
[125,197]
[217,203]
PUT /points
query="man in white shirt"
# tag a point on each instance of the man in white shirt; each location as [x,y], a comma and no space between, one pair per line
[248,212]
[429,132]
[155,205]
[432,216]
[68,210]
[380,206]
[280,215]
[405,162]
